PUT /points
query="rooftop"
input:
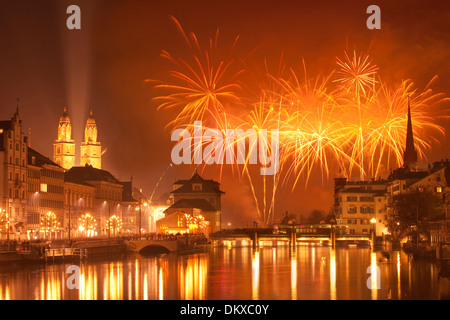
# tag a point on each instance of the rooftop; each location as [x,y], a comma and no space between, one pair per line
[192,203]
[89,173]
[208,186]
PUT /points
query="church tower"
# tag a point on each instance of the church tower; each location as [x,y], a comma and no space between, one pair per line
[91,150]
[64,146]
[410,154]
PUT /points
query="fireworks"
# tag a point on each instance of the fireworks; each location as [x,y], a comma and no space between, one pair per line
[201,85]
[348,120]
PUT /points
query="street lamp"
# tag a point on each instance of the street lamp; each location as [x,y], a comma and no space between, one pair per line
[140,216]
[114,222]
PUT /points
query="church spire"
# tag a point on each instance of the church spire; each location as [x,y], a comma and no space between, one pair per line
[410,155]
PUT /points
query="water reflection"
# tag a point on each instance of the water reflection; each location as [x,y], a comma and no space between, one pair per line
[237,273]
[255,274]
[332,274]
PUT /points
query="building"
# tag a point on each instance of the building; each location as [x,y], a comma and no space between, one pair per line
[45,198]
[107,205]
[13,171]
[64,145]
[137,213]
[189,215]
[79,214]
[361,206]
[198,200]
[91,149]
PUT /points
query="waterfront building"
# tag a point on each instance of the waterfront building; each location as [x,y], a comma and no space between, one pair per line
[64,145]
[45,198]
[107,205]
[361,206]
[136,211]
[13,170]
[194,206]
[79,214]
[189,215]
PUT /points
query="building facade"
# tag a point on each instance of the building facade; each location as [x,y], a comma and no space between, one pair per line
[13,171]
[107,204]
[197,193]
[361,206]
[45,198]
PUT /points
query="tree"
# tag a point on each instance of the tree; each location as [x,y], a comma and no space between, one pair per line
[316,217]
[413,210]
[288,219]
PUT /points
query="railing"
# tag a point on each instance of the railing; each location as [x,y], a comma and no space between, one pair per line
[65,253]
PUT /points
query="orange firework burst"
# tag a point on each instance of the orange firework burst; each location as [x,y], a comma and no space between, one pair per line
[356,73]
[200,86]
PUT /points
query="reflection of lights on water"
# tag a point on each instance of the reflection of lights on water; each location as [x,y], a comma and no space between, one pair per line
[255,275]
[374,275]
[398,275]
[145,286]
[161,285]
[294,276]
[192,278]
[4,295]
[332,274]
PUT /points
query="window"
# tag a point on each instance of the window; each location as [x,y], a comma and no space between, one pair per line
[352,198]
[352,210]
[438,189]
[43,187]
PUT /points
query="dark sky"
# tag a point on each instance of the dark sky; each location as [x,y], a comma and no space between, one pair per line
[103,67]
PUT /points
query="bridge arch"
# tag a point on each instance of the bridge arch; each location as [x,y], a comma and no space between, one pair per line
[153,249]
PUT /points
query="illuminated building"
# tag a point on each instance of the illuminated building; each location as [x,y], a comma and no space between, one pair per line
[45,193]
[195,197]
[108,193]
[357,203]
[186,215]
[79,200]
[136,210]
[91,149]
[64,146]
[13,161]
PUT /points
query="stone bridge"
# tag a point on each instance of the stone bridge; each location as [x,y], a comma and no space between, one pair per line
[152,246]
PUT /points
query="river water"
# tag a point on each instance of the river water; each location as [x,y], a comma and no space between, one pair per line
[310,272]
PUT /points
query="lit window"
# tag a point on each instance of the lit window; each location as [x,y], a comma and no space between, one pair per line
[439,189]
[43,187]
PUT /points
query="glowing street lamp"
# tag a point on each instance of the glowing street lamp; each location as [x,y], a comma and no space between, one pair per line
[87,224]
[140,216]
[49,223]
[114,223]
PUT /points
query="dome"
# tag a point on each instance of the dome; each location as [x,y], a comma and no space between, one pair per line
[90,120]
[65,116]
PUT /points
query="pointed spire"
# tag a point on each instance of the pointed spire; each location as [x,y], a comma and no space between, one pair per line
[410,155]
[17,107]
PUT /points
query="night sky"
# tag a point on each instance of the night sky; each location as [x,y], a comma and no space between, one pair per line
[103,67]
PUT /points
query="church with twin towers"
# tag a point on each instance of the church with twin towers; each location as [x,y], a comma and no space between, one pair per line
[64,146]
